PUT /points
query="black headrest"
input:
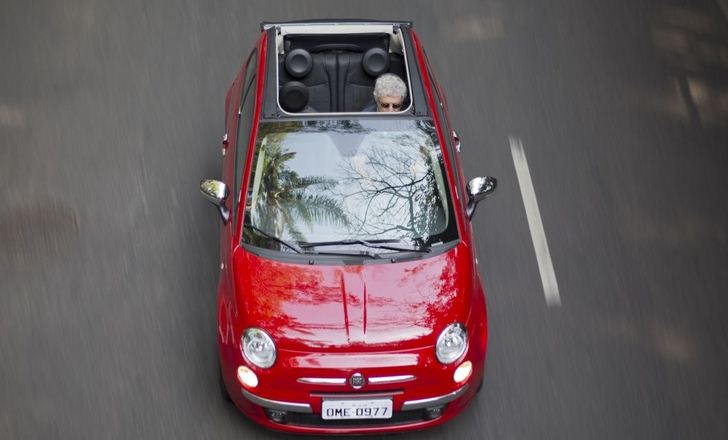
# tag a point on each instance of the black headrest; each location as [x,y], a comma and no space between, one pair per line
[298,63]
[375,61]
[293,96]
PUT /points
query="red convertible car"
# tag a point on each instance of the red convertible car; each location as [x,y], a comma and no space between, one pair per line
[349,299]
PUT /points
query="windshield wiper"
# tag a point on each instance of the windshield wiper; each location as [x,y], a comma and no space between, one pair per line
[380,243]
[299,250]
[265,234]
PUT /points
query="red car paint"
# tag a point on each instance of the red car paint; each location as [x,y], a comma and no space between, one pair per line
[336,320]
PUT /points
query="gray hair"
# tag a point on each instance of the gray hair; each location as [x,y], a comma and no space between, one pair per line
[390,84]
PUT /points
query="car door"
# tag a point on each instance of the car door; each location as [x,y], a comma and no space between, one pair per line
[451,137]
[234,147]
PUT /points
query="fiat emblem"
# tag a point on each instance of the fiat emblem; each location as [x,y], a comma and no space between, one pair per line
[356,381]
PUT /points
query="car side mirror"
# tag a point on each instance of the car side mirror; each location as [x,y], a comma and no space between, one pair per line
[478,189]
[216,192]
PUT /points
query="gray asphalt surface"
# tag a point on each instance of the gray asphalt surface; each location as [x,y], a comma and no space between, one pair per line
[111,113]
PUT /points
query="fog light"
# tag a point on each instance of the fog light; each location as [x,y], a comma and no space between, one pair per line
[276,415]
[246,377]
[434,412]
[463,372]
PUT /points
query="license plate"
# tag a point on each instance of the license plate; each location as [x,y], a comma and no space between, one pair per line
[356,409]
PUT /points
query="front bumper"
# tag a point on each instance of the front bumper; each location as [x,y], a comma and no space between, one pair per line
[305,408]
[290,396]
[300,417]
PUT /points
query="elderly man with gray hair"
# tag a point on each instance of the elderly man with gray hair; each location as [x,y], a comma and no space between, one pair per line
[389,94]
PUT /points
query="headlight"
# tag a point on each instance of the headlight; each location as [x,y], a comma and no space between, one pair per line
[258,347]
[451,343]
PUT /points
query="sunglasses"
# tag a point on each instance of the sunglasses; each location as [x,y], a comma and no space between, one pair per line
[390,104]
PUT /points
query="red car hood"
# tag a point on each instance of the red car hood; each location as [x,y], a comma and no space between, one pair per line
[383,305]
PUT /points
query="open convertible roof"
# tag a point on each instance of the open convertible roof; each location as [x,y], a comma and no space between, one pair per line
[329,67]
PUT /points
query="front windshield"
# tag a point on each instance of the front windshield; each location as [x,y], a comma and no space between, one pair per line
[331,180]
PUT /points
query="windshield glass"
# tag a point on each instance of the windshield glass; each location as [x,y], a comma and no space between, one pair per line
[331,180]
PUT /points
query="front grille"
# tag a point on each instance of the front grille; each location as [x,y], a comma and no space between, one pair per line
[398,418]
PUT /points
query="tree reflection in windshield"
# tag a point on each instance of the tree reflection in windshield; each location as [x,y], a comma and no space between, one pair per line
[333,180]
[282,204]
[397,188]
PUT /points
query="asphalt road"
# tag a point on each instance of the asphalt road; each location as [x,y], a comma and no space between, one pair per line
[111,112]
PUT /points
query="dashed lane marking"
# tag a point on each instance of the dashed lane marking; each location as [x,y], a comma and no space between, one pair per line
[540,245]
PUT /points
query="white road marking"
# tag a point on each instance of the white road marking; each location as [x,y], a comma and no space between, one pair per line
[543,256]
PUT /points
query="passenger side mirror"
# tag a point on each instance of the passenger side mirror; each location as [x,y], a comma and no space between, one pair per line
[478,189]
[216,192]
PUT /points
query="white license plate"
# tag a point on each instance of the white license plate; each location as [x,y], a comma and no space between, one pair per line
[356,409]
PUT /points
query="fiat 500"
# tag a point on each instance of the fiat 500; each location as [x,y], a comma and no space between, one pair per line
[349,299]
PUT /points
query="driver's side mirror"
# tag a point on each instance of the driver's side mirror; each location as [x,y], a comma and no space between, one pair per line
[216,192]
[478,189]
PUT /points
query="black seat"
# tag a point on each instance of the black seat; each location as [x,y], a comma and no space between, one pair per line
[396,66]
[358,73]
[293,96]
[356,87]
[335,81]
[317,72]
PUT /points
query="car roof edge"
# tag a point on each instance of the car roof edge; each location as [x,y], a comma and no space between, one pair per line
[265,25]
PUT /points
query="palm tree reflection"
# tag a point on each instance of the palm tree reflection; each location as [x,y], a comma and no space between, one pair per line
[284,200]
